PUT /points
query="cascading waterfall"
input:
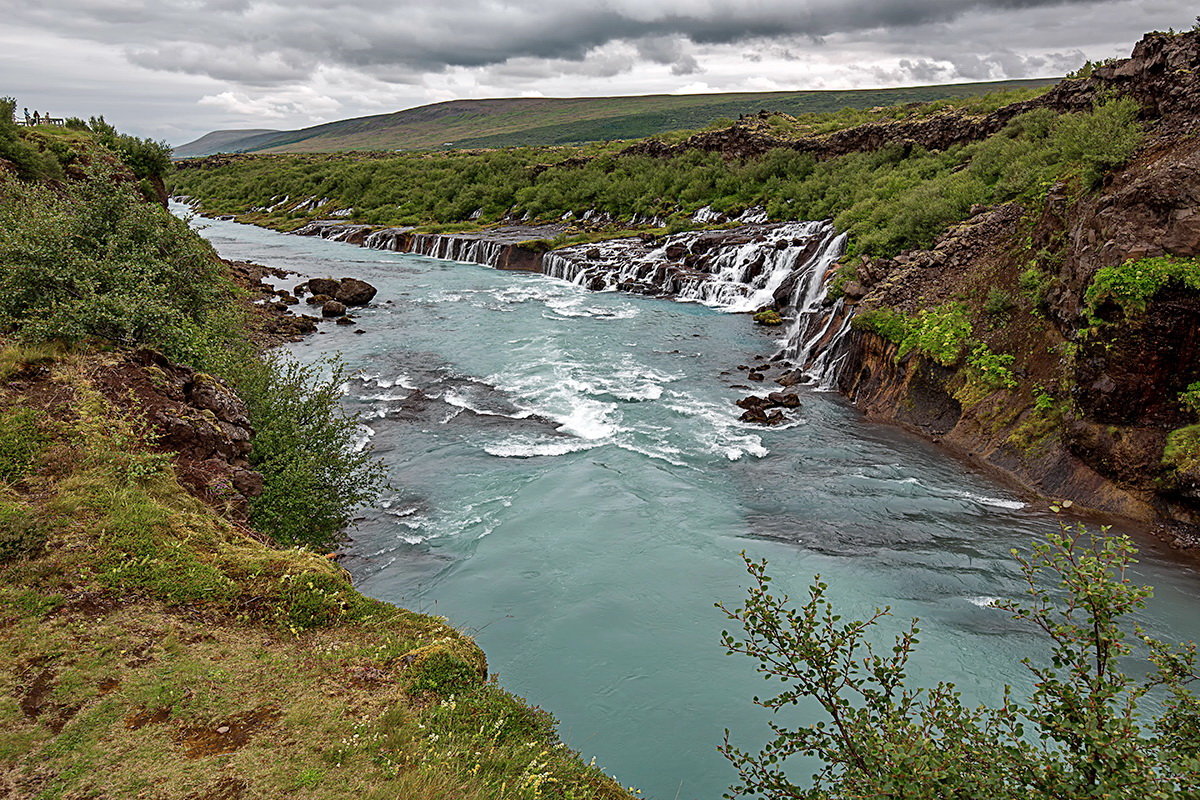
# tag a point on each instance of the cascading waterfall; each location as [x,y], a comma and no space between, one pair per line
[737,270]
[782,265]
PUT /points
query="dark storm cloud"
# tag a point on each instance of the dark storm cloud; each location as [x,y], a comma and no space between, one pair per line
[266,41]
[176,68]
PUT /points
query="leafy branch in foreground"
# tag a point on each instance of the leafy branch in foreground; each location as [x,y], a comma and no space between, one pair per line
[1081,733]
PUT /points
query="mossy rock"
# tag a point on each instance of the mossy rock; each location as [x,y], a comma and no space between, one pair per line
[769,317]
[446,667]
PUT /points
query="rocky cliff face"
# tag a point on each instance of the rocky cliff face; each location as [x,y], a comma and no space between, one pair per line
[1097,389]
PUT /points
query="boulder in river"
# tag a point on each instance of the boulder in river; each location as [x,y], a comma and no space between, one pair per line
[333,309]
[788,400]
[354,292]
[327,286]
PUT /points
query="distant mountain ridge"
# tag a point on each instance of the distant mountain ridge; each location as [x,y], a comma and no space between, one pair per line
[506,122]
[217,141]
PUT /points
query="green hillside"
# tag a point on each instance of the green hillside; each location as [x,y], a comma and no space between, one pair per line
[553,121]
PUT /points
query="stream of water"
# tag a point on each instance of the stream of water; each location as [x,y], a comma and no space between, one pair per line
[572,487]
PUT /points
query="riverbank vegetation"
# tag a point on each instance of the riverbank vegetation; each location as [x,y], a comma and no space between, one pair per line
[160,635]
[889,199]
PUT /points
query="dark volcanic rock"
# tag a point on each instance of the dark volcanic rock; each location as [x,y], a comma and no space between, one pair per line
[333,309]
[195,416]
[323,286]
[354,292]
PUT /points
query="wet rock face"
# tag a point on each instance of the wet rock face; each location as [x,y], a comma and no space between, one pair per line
[196,416]
[1134,371]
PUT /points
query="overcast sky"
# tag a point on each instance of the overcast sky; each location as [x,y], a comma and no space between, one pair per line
[175,69]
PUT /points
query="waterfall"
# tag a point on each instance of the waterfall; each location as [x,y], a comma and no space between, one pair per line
[457,248]
[738,269]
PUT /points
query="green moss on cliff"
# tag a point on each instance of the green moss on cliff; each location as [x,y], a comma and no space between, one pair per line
[1182,450]
[1133,284]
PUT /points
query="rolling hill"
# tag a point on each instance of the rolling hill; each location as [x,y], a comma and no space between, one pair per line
[217,142]
[557,121]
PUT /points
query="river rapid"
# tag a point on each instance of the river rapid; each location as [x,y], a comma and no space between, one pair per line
[571,485]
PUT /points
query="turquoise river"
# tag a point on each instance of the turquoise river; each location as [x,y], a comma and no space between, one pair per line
[570,485]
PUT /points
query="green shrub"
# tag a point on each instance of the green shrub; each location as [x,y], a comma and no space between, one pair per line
[1133,284]
[993,370]
[1189,398]
[939,333]
[1083,730]
[20,442]
[92,261]
[306,447]
[145,157]
[888,323]
[1042,400]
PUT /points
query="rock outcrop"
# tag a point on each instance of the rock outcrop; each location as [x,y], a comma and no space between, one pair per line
[195,416]
[1095,399]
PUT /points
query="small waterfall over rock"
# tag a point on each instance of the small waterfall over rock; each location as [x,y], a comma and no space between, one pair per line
[738,269]
[457,248]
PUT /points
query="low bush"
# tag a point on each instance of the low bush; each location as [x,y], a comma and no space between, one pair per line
[1189,398]
[305,445]
[940,333]
[1085,728]
[890,324]
[90,261]
[993,370]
